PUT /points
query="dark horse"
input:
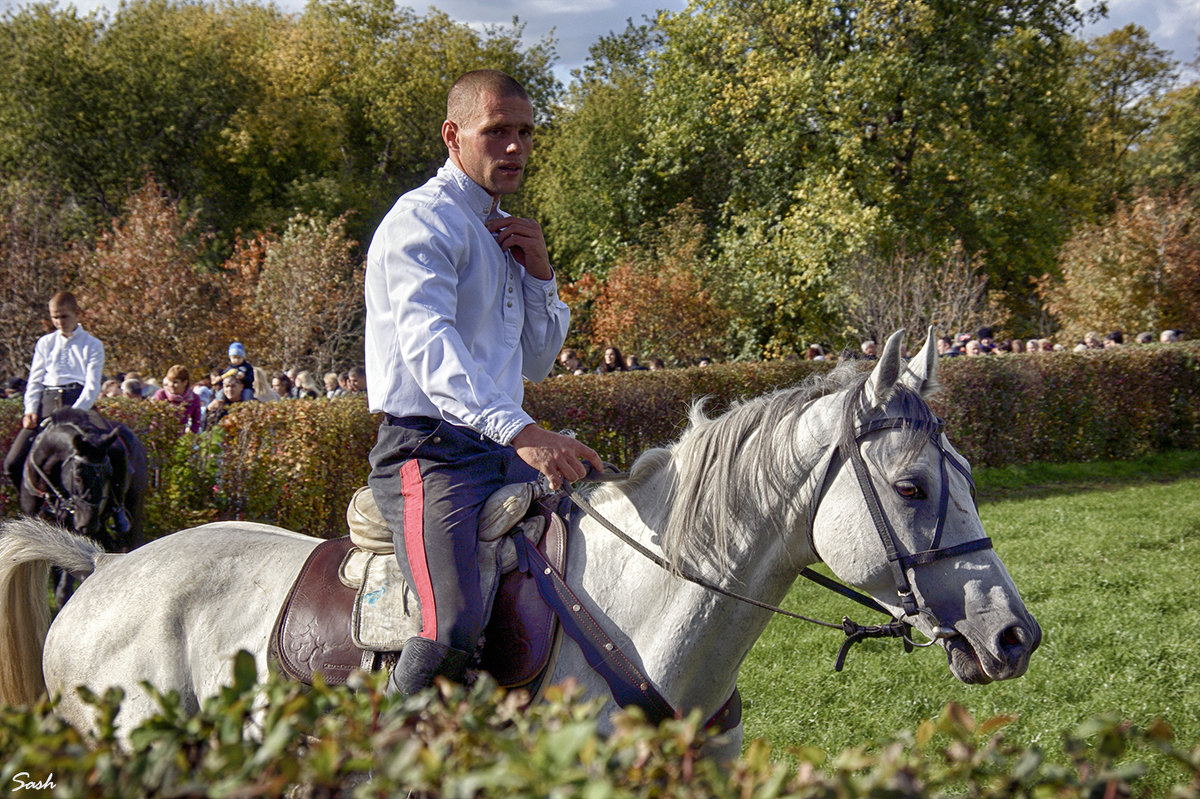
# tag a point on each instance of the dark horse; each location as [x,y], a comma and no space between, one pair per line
[69,477]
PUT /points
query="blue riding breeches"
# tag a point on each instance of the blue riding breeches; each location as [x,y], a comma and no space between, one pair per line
[430,480]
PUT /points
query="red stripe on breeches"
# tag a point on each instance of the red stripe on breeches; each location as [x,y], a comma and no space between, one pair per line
[413,489]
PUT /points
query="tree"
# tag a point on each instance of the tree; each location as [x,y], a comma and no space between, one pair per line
[246,114]
[1124,77]
[654,300]
[820,130]
[92,103]
[915,291]
[306,304]
[1140,270]
[586,183]
[147,295]
[33,266]
[1170,158]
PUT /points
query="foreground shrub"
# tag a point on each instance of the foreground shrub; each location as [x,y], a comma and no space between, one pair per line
[477,743]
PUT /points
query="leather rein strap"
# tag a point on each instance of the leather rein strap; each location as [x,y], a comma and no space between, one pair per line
[628,684]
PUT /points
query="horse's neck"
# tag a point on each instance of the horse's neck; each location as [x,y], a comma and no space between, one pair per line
[691,641]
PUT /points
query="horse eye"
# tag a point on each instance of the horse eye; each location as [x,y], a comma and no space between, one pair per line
[910,490]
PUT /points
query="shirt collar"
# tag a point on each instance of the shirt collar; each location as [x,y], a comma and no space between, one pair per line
[478,198]
[74,333]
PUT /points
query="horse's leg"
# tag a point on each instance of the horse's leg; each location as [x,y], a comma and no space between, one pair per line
[64,587]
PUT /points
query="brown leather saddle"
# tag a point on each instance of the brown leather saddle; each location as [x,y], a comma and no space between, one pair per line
[313,631]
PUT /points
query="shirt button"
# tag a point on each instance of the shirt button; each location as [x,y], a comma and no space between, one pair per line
[510,305]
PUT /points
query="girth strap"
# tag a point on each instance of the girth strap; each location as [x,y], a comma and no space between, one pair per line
[629,685]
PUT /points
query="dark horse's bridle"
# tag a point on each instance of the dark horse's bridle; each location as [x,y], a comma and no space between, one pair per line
[61,503]
[850,451]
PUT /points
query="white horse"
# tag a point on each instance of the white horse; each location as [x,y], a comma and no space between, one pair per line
[746,500]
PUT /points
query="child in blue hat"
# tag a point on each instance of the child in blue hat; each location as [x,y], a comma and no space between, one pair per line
[239,364]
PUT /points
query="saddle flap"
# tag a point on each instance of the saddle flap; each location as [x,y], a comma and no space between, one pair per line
[381,620]
[521,631]
[323,623]
[312,633]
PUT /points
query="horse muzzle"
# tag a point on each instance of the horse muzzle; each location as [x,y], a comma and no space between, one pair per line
[978,660]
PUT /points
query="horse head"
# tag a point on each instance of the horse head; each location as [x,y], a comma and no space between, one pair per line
[897,519]
[85,477]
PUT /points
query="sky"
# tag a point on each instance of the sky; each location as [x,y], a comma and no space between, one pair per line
[1173,24]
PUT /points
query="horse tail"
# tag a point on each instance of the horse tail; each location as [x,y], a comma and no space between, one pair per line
[27,549]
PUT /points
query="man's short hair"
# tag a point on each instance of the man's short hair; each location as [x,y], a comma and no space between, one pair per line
[66,301]
[463,97]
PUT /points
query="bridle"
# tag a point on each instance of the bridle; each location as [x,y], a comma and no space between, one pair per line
[899,563]
[850,451]
[62,503]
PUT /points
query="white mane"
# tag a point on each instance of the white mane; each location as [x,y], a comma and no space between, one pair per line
[742,471]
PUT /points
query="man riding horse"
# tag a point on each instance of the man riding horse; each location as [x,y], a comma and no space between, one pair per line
[65,373]
[461,303]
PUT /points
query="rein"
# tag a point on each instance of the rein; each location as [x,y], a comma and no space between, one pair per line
[850,452]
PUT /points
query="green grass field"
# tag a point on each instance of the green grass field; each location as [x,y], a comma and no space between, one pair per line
[1106,557]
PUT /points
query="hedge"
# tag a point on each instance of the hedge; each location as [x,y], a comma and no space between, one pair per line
[462,743]
[297,463]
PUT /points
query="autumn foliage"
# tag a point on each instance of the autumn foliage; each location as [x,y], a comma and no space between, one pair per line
[32,268]
[1138,270]
[294,298]
[654,302]
[143,288]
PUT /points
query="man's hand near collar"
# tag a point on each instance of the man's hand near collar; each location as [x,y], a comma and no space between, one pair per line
[523,238]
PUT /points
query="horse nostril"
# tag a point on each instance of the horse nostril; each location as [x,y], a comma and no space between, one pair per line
[1012,637]
[1017,640]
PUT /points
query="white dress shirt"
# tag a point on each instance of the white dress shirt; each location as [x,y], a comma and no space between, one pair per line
[59,360]
[454,322]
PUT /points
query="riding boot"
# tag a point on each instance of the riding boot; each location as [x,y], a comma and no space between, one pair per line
[421,661]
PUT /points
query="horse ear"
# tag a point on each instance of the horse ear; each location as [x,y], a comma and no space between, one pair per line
[81,444]
[921,373]
[108,439]
[887,370]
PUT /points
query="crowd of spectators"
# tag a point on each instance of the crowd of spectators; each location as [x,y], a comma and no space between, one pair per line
[982,343]
[204,401]
[570,362]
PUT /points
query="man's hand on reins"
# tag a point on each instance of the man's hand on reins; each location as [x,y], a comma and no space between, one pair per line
[557,456]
